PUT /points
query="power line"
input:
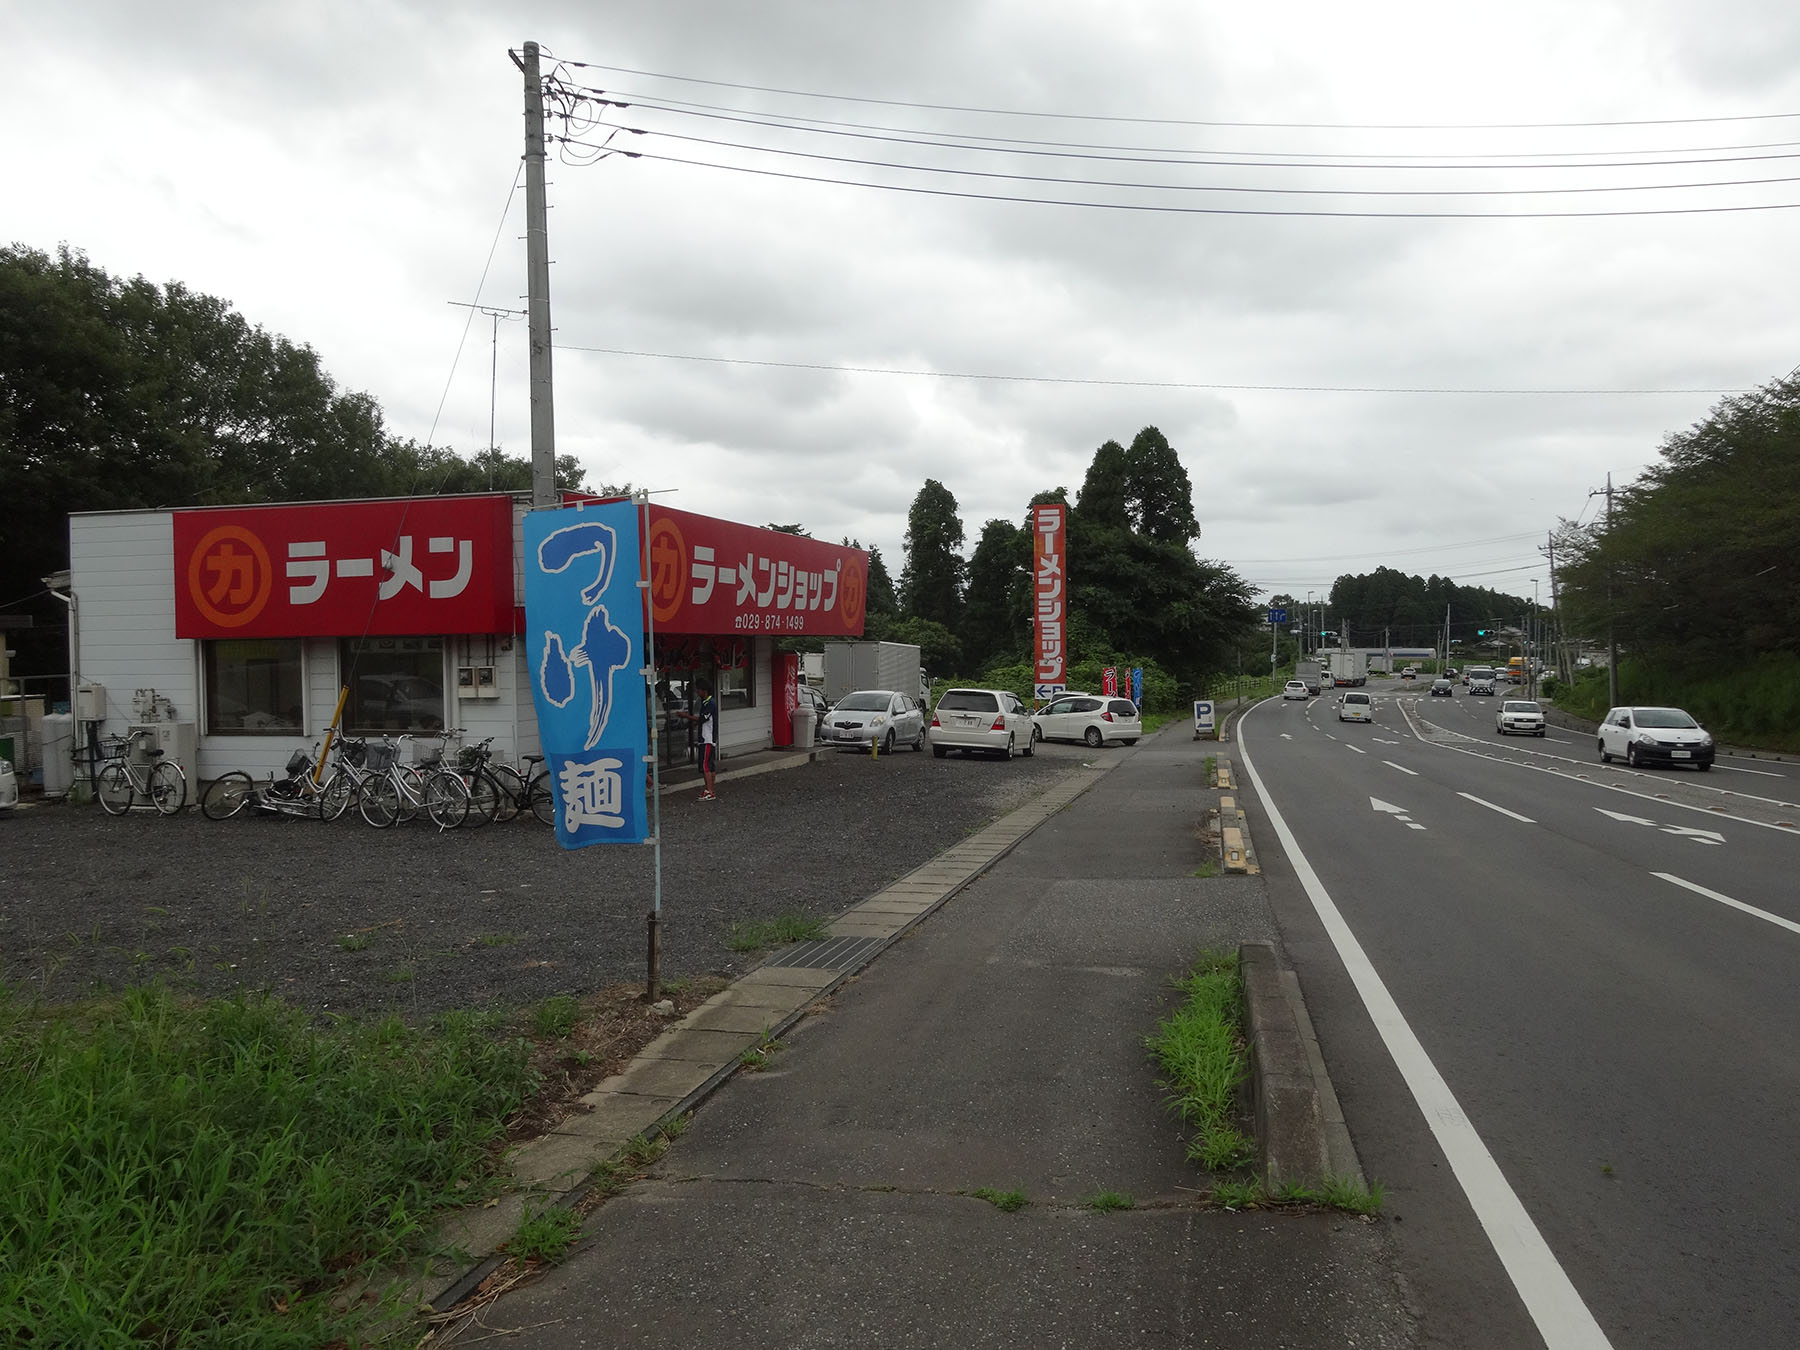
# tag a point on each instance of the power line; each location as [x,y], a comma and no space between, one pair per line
[1182,122]
[1127,384]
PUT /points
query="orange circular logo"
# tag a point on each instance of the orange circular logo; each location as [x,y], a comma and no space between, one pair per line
[853,592]
[667,551]
[229,576]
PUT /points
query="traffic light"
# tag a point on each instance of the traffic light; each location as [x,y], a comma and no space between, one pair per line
[1481,632]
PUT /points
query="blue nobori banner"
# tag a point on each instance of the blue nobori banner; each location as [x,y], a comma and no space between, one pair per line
[584,625]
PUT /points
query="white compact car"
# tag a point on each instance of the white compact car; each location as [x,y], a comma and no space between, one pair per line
[993,721]
[1098,719]
[1655,736]
[1520,715]
[1356,706]
[1295,689]
[874,716]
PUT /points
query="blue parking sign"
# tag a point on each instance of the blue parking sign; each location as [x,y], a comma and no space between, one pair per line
[584,636]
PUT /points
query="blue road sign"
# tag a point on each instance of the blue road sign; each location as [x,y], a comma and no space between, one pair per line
[1278,616]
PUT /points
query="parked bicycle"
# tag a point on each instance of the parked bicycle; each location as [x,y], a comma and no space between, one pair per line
[394,792]
[124,783]
[499,791]
[295,793]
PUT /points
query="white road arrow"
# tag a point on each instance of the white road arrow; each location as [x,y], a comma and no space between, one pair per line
[1683,831]
[1397,812]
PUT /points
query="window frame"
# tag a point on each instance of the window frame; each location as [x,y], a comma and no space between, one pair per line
[211,694]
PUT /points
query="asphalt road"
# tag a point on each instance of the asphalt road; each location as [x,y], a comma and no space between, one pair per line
[1599,964]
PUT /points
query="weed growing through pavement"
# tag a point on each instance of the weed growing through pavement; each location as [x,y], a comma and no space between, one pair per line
[1209,868]
[139,1124]
[544,1234]
[757,1057]
[1200,1048]
[1007,1202]
[756,934]
[353,942]
[495,939]
[401,975]
[1335,1192]
[1106,1202]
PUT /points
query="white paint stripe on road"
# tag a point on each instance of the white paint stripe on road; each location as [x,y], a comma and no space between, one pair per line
[1527,820]
[1359,750]
[1775,919]
[1403,769]
[1760,773]
[1561,1317]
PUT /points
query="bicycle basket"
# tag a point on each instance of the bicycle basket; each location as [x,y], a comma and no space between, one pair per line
[355,753]
[379,758]
[298,762]
[435,755]
[114,747]
[469,756]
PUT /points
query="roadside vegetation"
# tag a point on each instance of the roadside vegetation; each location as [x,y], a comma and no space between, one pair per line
[1756,705]
[1201,1052]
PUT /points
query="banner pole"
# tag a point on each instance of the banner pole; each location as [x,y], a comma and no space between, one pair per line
[653,921]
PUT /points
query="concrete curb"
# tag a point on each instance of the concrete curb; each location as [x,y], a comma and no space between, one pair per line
[1300,1130]
[690,1061]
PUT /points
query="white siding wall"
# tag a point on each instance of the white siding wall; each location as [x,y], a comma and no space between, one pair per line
[122,570]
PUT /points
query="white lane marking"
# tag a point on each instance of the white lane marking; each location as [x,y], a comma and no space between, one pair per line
[1685,831]
[1527,820]
[1403,769]
[1411,825]
[1775,919]
[1561,1317]
[1380,741]
[1389,807]
[1359,750]
[1760,773]
[1287,736]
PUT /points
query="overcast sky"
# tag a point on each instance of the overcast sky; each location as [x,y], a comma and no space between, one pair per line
[811,351]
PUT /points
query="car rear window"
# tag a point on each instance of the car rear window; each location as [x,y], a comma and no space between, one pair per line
[1356,698]
[1122,707]
[968,700]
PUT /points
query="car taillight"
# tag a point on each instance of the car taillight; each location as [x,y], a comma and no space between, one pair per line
[1106,717]
[937,724]
[999,723]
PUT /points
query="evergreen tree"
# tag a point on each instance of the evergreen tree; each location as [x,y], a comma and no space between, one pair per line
[931,583]
[997,608]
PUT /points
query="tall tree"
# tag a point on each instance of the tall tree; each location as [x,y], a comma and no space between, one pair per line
[931,583]
[1159,498]
[997,608]
[1102,501]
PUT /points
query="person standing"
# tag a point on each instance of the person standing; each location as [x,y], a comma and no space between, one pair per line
[708,719]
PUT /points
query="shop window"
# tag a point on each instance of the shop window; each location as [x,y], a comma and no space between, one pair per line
[396,684]
[735,688]
[254,687]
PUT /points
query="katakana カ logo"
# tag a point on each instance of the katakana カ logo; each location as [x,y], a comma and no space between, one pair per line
[229,576]
[667,552]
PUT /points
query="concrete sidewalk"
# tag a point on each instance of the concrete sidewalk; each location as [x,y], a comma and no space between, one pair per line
[828,1200]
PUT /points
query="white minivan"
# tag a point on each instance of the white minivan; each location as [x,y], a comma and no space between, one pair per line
[1356,706]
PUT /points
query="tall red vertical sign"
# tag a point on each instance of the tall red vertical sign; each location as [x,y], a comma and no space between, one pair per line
[1049,581]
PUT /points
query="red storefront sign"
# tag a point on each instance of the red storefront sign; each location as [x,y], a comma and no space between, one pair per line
[1049,583]
[713,576]
[424,565]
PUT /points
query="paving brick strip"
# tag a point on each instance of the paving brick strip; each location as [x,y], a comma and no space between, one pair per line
[684,1065]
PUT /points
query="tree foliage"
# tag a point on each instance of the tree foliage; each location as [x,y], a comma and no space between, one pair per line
[120,394]
[1696,565]
[1409,611]
[931,583]
[997,608]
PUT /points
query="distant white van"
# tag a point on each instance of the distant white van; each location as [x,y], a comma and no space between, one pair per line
[1356,706]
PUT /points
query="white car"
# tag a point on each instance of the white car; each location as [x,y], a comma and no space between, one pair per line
[1098,719]
[993,721]
[1521,715]
[1655,735]
[1356,706]
[1294,689]
[875,716]
[9,786]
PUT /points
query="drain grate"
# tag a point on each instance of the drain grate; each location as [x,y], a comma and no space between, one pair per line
[829,953]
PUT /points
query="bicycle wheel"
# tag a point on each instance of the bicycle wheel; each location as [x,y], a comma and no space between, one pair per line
[543,800]
[512,791]
[414,795]
[446,800]
[168,787]
[485,796]
[339,792]
[379,801]
[226,795]
[115,789]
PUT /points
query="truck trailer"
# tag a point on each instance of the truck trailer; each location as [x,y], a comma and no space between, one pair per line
[850,666]
[1349,667]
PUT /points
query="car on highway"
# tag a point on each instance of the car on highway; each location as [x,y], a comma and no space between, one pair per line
[1655,736]
[1444,687]
[1097,719]
[1295,689]
[1481,680]
[1522,715]
[988,721]
[9,786]
[872,717]
[1356,706]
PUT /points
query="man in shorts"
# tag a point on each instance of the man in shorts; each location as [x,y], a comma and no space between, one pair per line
[708,718]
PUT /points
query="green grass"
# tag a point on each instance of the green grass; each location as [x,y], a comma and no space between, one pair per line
[555,1017]
[1107,1202]
[757,1057]
[1200,1049]
[1335,1192]
[1007,1202]
[757,934]
[545,1234]
[353,942]
[1209,868]
[177,1173]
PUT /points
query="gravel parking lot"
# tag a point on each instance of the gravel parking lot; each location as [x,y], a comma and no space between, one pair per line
[342,918]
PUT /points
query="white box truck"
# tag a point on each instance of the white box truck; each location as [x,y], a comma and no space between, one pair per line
[1349,667]
[850,666]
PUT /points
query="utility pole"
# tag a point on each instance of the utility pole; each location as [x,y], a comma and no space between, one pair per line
[537,286]
[1612,641]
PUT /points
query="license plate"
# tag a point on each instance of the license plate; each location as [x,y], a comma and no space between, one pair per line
[1681,754]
